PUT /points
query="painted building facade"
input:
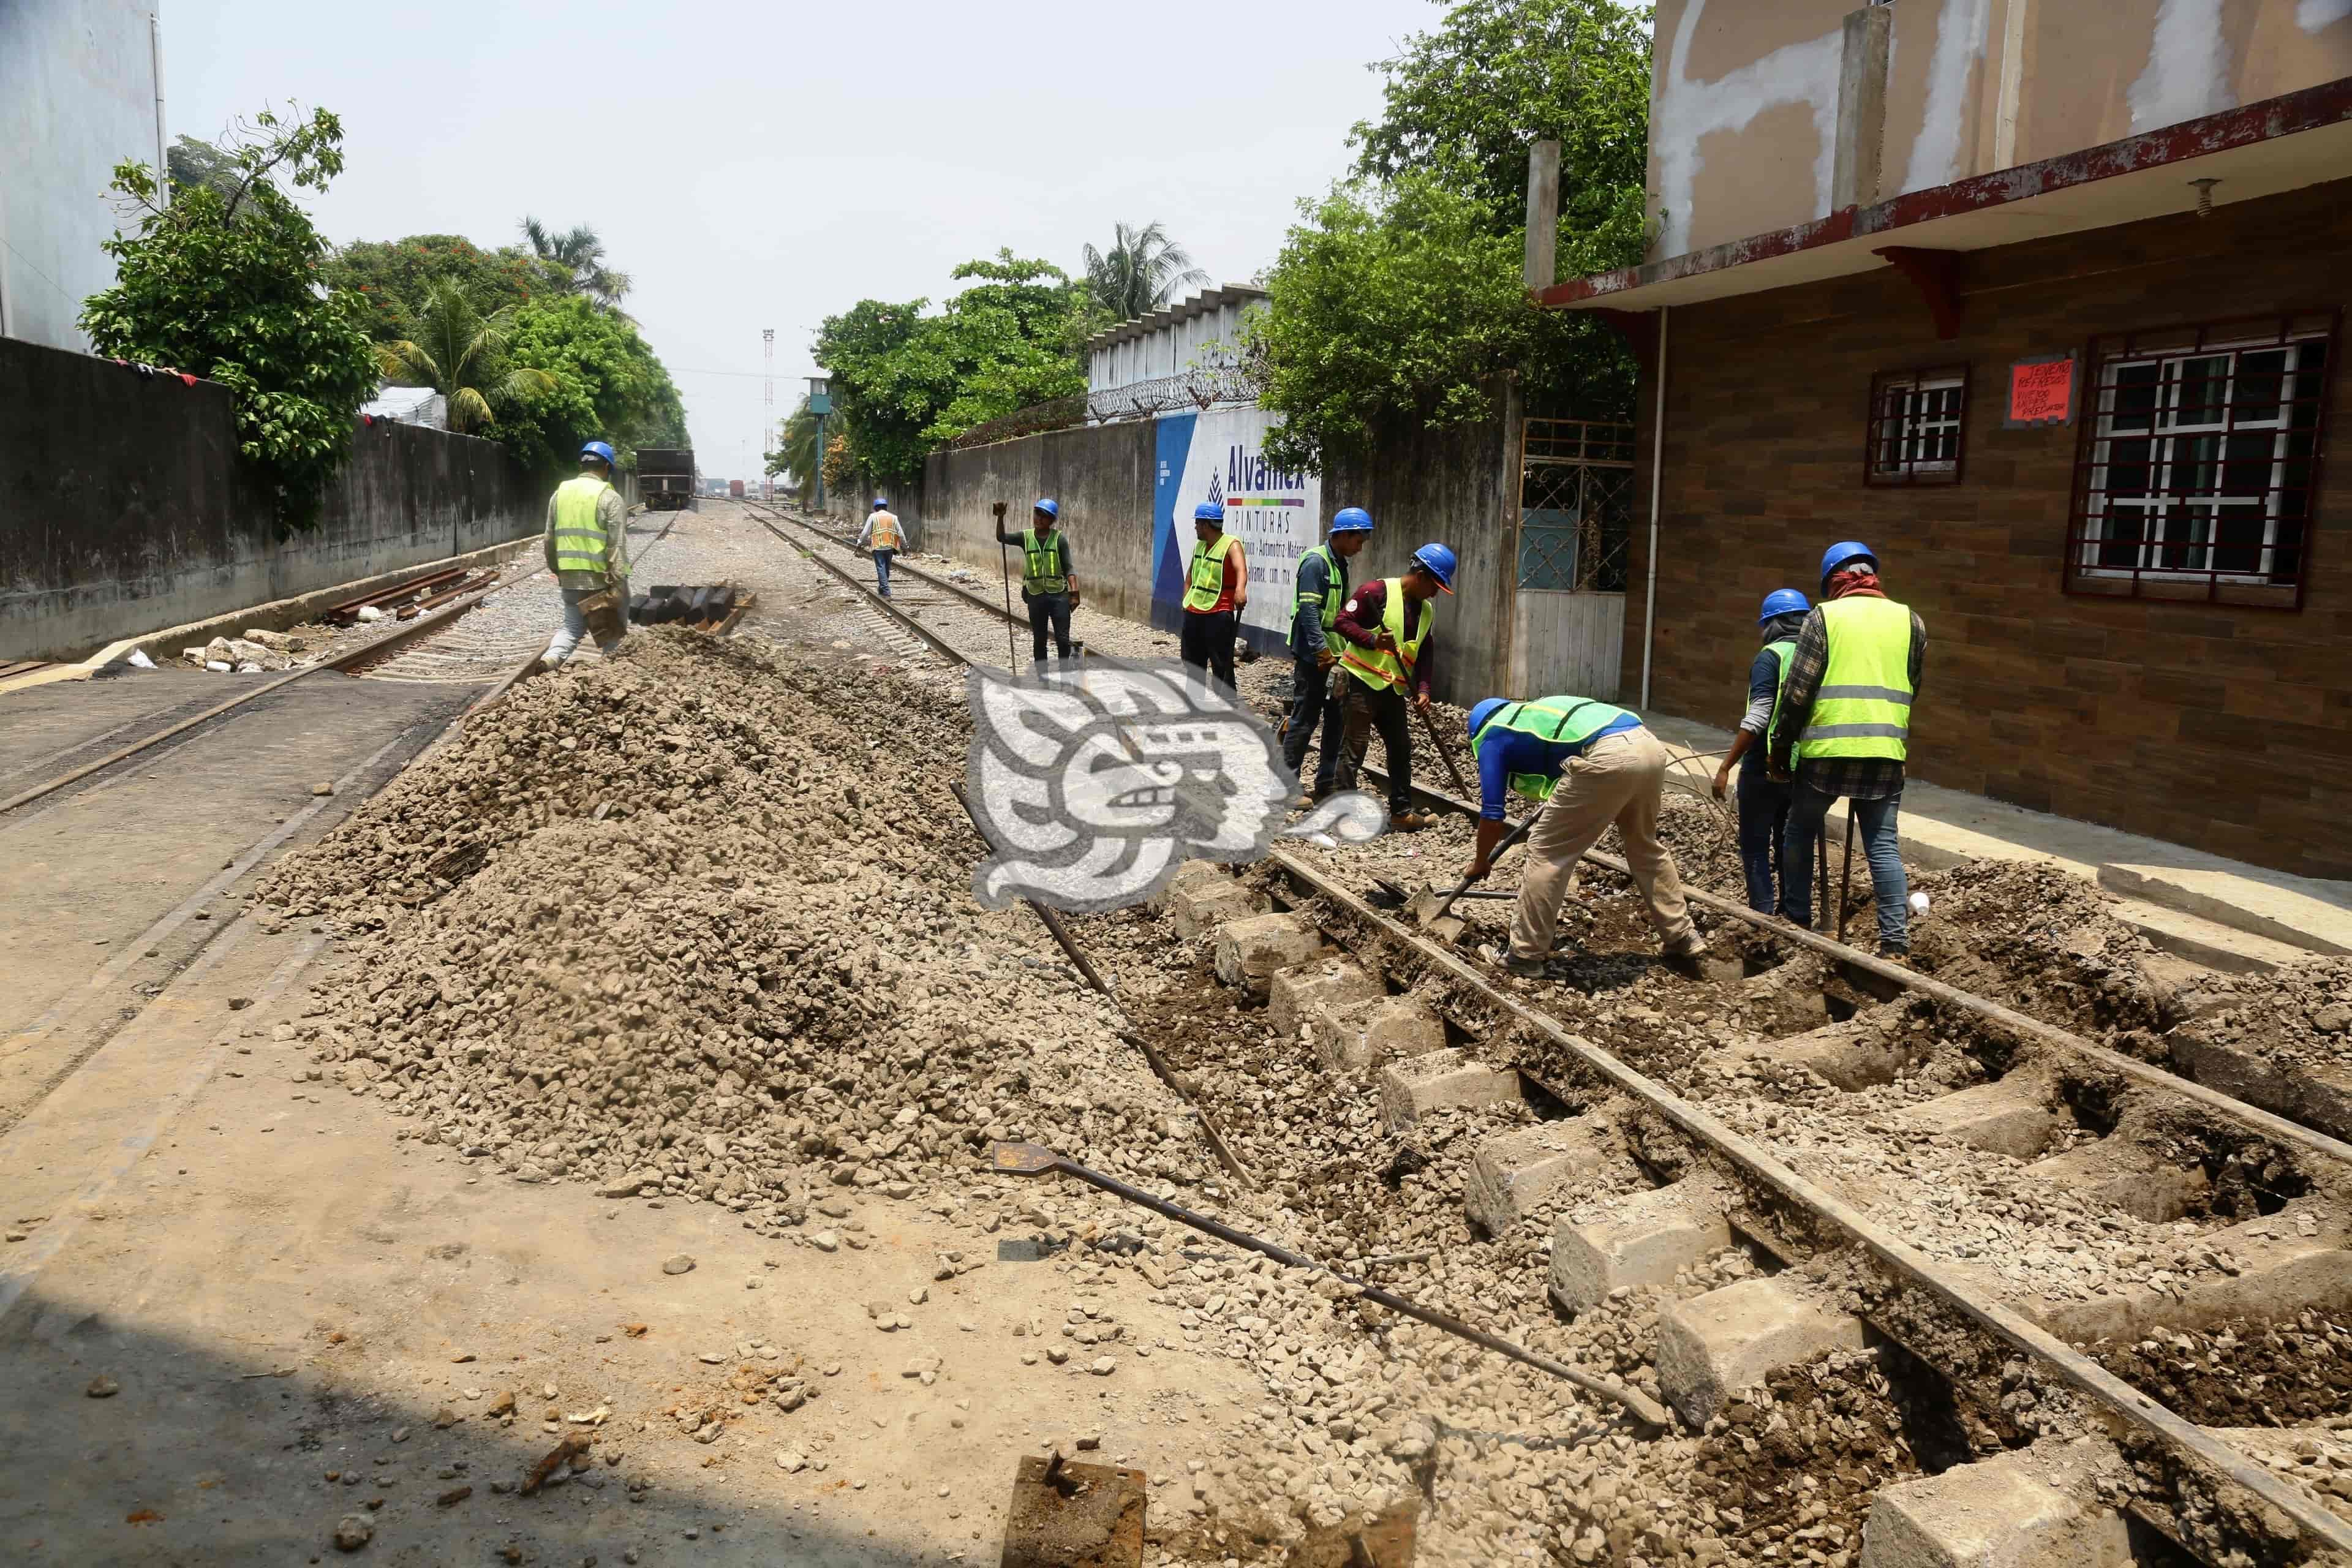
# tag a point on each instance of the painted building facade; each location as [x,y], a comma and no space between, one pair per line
[2044,302]
[78,93]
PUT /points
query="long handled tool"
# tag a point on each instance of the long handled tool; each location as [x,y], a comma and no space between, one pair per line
[1030,1160]
[1461,786]
[1845,893]
[1004,559]
[1435,913]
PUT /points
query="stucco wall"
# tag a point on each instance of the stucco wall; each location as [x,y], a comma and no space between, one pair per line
[77,97]
[124,509]
[1744,96]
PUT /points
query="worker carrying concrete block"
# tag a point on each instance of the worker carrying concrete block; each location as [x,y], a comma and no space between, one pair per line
[587,534]
[1586,764]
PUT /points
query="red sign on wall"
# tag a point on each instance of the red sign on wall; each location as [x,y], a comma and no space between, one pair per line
[2040,391]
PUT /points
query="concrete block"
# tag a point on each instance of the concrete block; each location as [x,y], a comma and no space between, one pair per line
[1359,1038]
[1415,1086]
[1200,901]
[1868,1049]
[1188,875]
[2012,1117]
[1515,1172]
[1253,950]
[2012,1510]
[1300,995]
[2135,1181]
[1641,1241]
[2319,1095]
[1712,1346]
[2279,1271]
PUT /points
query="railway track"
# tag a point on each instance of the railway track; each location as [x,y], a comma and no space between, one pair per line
[2288,1255]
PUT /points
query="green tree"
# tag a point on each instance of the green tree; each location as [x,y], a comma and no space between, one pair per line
[609,385]
[1463,103]
[1142,272]
[574,261]
[224,283]
[796,450]
[908,382]
[194,162]
[395,275]
[462,354]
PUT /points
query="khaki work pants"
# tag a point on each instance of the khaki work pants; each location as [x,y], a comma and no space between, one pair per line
[1617,780]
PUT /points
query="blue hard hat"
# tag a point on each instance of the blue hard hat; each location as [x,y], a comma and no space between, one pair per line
[1050,508]
[1210,512]
[1838,554]
[1783,602]
[599,449]
[881,503]
[1438,561]
[1353,520]
[1484,712]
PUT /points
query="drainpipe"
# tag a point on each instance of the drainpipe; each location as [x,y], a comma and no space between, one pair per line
[1657,472]
[163,164]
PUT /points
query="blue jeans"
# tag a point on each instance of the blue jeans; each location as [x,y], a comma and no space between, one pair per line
[1763,822]
[882,569]
[574,632]
[1311,705]
[1875,820]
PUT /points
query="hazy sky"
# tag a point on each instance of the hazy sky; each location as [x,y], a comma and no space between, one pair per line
[758,166]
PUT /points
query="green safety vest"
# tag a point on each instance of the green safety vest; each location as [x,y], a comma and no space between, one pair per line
[1334,580]
[1208,576]
[1781,650]
[580,542]
[1378,667]
[1039,561]
[1569,721]
[1863,708]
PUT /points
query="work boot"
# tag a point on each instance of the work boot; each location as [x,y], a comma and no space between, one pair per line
[1527,968]
[1409,821]
[1895,952]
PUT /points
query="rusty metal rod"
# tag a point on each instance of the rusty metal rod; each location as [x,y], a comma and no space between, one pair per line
[1845,892]
[1443,755]
[1029,1159]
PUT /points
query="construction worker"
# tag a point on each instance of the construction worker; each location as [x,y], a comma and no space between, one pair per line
[882,529]
[1386,657]
[1842,730]
[1763,803]
[1049,586]
[1317,589]
[1216,592]
[1588,764]
[587,535]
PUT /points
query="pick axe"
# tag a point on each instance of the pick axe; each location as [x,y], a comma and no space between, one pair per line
[1434,911]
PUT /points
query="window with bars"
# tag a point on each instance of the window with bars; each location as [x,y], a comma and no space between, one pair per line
[1915,425]
[2199,461]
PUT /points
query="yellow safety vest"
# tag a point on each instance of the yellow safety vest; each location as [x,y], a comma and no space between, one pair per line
[1208,577]
[1378,667]
[1570,720]
[885,531]
[580,542]
[1335,579]
[1863,708]
[1041,559]
[1782,650]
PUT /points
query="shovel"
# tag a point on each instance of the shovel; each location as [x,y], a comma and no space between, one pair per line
[1434,911]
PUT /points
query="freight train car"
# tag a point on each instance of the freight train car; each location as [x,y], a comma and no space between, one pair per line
[666,477]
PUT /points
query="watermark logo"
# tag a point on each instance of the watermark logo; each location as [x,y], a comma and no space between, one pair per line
[1094,782]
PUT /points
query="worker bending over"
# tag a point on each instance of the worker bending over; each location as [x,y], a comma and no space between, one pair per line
[1588,764]
[1216,592]
[1843,729]
[882,529]
[1049,586]
[1317,589]
[587,533]
[1386,659]
[1763,803]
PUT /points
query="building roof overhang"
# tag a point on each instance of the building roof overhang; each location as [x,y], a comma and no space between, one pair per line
[1200,304]
[2282,143]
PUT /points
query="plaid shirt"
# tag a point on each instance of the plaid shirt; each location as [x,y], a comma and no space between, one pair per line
[1849,778]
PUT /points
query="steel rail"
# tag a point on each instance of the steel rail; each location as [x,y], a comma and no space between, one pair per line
[939,644]
[919,573]
[2086,1375]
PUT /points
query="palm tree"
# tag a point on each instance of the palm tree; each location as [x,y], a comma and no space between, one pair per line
[1142,272]
[577,259]
[463,356]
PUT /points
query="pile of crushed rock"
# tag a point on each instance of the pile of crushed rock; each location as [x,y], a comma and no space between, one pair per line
[697,921]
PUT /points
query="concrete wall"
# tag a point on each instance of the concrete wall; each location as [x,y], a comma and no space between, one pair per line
[1459,487]
[1745,101]
[2224,727]
[124,509]
[77,97]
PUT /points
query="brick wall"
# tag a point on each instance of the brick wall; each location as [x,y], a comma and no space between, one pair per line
[2222,727]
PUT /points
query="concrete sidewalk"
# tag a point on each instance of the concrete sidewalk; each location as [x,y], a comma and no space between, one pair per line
[2218,911]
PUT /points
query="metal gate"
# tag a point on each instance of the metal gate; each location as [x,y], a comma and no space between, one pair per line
[1575,514]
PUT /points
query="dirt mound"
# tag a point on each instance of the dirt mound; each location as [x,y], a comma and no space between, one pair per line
[2296,1017]
[643,926]
[2038,940]
[2296,1374]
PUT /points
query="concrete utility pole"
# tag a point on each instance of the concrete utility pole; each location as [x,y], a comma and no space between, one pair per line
[1543,215]
[768,442]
